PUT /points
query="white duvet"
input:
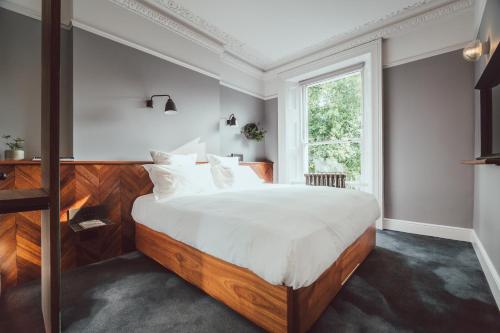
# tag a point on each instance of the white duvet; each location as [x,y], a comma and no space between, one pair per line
[286,234]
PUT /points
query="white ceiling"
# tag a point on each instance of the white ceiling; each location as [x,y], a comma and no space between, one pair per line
[269,33]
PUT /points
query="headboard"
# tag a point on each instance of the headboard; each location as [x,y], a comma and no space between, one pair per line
[113,184]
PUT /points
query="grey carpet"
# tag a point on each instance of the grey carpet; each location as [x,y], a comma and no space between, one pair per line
[408,284]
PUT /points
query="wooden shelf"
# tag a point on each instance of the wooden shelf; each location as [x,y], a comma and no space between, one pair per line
[483,161]
[77,162]
[13,201]
[29,162]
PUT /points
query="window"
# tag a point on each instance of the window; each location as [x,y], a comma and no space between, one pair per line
[339,138]
[334,125]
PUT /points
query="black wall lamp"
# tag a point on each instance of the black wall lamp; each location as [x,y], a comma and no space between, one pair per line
[170,107]
[232,121]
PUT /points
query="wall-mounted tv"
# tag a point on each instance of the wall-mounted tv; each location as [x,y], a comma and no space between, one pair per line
[489,85]
[495,120]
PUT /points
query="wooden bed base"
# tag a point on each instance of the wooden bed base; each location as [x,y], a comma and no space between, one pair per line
[274,308]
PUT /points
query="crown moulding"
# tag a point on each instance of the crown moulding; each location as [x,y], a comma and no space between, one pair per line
[176,18]
[387,31]
[171,24]
[392,24]
[230,42]
[181,21]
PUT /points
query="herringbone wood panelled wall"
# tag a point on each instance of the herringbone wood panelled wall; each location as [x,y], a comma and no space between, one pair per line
[113,184]
[8,267]
[81,185]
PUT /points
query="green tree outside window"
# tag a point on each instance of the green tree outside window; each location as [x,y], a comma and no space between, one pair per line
[335,122]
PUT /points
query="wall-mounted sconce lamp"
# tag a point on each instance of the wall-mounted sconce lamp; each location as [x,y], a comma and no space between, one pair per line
[170,107]
[232,121]
[474,50]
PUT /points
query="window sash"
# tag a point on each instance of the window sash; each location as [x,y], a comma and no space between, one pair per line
[333,76]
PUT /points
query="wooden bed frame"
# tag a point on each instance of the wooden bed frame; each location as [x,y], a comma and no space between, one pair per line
[276,308]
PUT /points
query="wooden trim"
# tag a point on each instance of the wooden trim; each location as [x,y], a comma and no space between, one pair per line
[27,162]
[276,308]
[50,226]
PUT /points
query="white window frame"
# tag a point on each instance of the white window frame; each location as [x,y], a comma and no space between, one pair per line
[290,154]
[337,75]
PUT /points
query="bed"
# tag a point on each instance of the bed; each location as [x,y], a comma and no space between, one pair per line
[251,249]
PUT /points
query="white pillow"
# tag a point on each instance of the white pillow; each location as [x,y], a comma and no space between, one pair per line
[160,157]
[203,176]
[223,177]
[227,162]
[236,177]
[221,170]
[178,180]
[245,177]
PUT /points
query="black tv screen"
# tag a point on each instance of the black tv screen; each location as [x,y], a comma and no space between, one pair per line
[495,120]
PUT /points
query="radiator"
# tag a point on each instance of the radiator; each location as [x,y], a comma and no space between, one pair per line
[326,179]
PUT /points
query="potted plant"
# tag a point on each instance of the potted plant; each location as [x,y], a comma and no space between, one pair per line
[252,131]
[15,151]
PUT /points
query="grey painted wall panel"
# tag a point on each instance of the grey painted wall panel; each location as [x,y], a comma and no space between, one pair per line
[104,86]
[428,130]
[487,178]
[20,82]
[246,109]
[111,84]
[66,94]
[271,125]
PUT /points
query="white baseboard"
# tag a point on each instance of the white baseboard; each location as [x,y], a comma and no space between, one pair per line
[489,270]
[455,233]
[427,229]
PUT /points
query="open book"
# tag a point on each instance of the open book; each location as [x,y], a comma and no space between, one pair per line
[91,224]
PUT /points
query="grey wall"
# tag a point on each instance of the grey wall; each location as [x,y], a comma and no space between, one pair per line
[246,109]
[111,83]
[20,82]
[271,125]
[428,130]
[487,178]
[104,86]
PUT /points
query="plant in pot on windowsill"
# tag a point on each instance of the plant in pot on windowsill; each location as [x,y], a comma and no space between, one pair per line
[251,131]
[16,145]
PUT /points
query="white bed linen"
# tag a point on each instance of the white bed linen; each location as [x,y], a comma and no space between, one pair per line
[286,234]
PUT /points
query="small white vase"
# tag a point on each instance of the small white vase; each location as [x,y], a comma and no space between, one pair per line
[15,155]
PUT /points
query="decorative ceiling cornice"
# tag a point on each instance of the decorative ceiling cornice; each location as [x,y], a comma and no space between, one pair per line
[331,47]
[170,23]
[182,21]
[229,42]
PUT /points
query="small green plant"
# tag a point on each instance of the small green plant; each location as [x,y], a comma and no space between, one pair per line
[13,143]
[252,131]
